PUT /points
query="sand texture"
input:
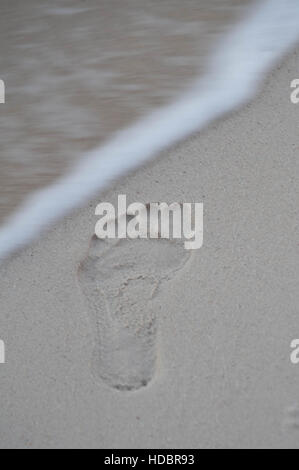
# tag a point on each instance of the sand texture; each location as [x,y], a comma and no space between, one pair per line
[140,344]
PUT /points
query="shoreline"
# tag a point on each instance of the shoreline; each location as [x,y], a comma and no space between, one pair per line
[235,73]
[74,76]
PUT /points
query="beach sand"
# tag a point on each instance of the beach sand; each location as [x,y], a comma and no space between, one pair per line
[222,322]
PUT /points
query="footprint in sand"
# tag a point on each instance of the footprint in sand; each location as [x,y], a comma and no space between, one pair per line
[119,279]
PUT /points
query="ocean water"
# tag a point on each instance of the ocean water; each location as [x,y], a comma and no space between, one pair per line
[77,71]
[96,87]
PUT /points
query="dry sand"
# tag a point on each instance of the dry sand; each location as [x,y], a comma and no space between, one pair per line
[223,322]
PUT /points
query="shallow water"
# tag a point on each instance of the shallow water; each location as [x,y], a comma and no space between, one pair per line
[77,71]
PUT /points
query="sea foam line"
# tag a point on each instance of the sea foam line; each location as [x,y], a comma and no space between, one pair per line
[233,77]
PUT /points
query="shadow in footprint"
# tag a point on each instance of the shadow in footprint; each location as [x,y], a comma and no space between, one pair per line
[119,279]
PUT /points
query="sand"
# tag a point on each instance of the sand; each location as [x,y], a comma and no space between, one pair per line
[217,371]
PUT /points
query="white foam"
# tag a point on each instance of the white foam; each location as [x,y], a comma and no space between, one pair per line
[234,75]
